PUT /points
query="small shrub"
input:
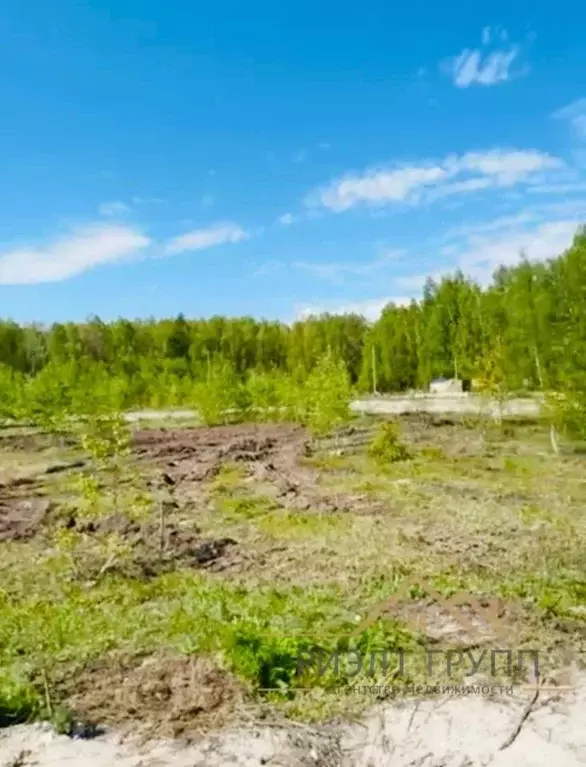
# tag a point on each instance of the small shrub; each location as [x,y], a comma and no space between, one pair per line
[386,447]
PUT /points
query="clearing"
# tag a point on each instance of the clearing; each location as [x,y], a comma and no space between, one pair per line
[173,596]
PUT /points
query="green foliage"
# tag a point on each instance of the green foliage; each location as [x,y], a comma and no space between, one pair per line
[536,312]
[567,412]
[271,662]
[327,395]
[223,397]
[491,371]
[386,446]
[19,701]
[106,437]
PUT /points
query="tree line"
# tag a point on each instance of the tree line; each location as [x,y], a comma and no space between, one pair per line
[527,329]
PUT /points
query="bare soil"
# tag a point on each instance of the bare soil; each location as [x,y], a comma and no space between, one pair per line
[174,696]
[21,518]
[270,454]
[155,550]
[160,695]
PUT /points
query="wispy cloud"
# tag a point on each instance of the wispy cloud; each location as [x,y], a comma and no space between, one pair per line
[454,175]
[336,271]
[82,250]
[113,208]
[480,248]
[370,308]
[575,114]
[518,225]
[201,239]
[539,243]
[560,188]
[473,66]
[271,266]
[286,219]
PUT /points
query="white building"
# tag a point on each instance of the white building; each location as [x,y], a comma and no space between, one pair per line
[446,386]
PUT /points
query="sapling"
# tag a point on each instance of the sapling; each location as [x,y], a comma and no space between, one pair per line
[327,393]
[492,378]
[106,437]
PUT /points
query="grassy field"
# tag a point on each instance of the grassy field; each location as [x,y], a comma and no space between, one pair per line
[177,589]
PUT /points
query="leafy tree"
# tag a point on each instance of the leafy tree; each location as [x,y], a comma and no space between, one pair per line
[327,393]
[537,310]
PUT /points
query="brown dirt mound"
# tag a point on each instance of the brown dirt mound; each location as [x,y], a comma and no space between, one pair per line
[21,518]
[196,454]
[162,695]
[183,546]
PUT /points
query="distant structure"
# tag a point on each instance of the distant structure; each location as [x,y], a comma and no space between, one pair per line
[449,386]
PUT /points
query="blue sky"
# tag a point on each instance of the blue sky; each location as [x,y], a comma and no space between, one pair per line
[271,159]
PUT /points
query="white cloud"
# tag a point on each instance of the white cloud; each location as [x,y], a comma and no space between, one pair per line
[472,66]
[544,241]
[575,114]
[335,271]
[378,186]
[460,187]
[286,219]
[507,167]
[82,250]
[370,309]
[469,67]
[454,175]
[567,188]
[114,208]
[479,249]
[200,239]
[483,227]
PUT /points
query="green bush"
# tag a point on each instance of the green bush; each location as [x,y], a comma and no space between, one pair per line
[386,446]
[267,661]
[19,701]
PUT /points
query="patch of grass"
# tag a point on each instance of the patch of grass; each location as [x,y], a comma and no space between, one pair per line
[228,479]
[432,453]
[284,524]
[248,507]
[19,701]
[328,461]
[558,594]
